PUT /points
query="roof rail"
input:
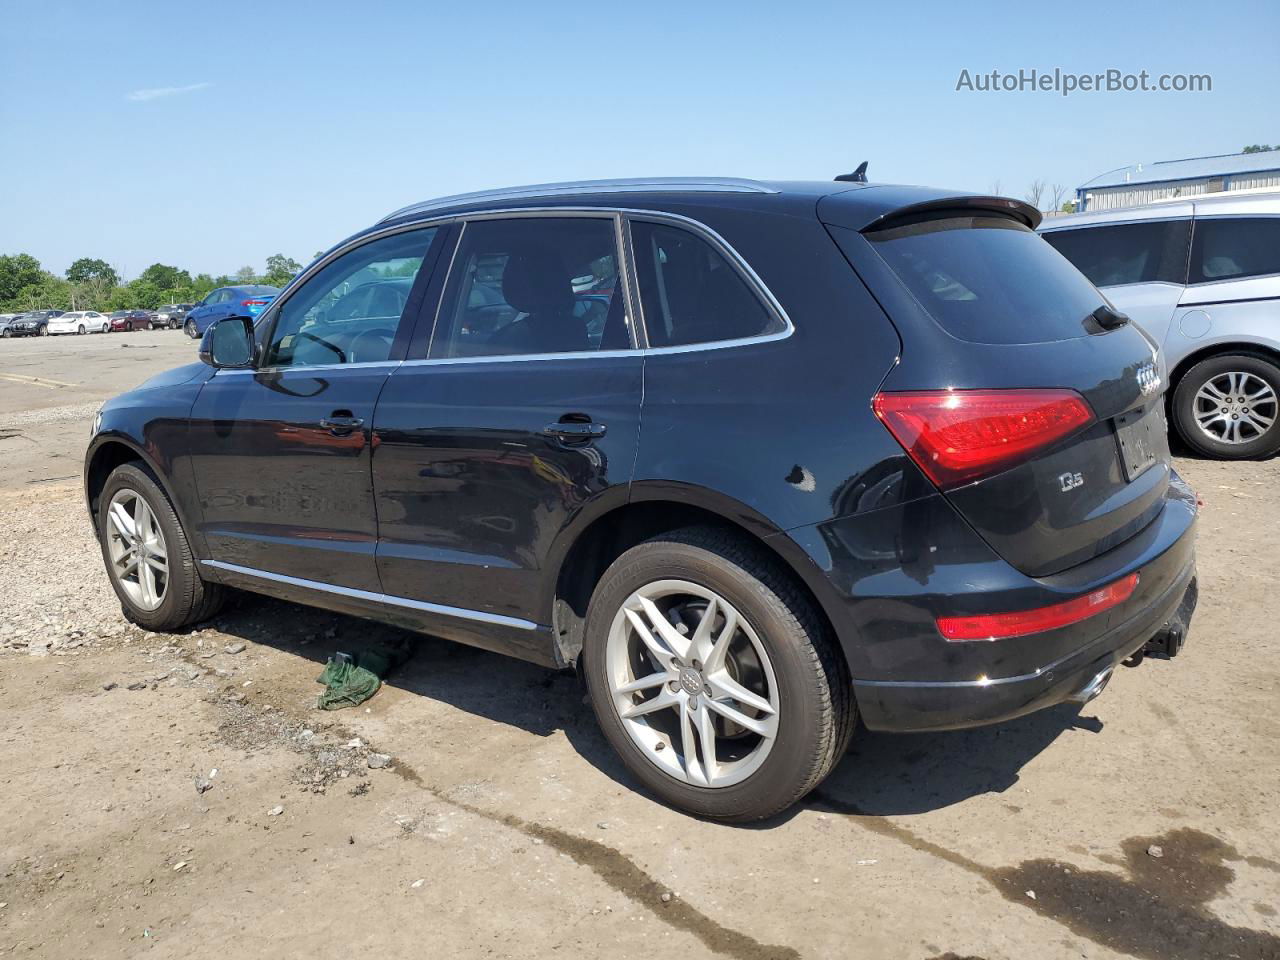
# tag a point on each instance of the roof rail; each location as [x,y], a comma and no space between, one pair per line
[578,187]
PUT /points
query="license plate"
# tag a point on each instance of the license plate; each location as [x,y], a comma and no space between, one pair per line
[1139,434]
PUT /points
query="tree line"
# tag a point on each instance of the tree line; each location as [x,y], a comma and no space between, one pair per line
[91,284]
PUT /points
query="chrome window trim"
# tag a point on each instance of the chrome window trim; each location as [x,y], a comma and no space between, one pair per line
[302,368]
[587,187]
[462,613]
[622,215]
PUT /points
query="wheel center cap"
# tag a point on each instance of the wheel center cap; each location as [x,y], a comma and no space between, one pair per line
[690,681]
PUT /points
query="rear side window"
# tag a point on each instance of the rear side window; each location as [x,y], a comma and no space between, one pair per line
[533,285]
[1127,252]
[1235,248]
[691,293]
[986,279]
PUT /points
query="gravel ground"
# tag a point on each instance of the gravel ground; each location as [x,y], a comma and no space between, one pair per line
[181,795]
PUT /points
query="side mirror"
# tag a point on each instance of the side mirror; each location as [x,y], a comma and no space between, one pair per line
[229,343]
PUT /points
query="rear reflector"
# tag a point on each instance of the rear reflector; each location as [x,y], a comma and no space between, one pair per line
[998,626]
[956,436]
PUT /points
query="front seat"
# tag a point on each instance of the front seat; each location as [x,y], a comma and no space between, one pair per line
[536,283]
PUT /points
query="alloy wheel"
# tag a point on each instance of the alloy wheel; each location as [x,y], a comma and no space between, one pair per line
[139,554]
[1235,407]
[692,683]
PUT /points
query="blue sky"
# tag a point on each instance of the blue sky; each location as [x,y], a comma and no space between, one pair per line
[210,135]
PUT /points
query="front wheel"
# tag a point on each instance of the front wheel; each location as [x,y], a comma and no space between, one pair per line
[147,555]
[128,327]
[44,331]
[1228,407]
[714,677]
[190,329]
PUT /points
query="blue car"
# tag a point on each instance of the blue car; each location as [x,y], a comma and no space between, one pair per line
[248,300]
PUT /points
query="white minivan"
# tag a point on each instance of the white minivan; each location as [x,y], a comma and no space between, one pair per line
[1202,277]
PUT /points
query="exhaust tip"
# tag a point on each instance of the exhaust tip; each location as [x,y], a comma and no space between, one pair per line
[1093,687]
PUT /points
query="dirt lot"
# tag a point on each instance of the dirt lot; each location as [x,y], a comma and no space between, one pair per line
[1143,825]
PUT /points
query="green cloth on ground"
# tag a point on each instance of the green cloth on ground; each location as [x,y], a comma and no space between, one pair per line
[351,680]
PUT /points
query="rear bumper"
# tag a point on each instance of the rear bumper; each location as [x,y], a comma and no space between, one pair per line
[909,706]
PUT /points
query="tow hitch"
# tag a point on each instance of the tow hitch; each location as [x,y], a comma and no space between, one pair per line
[1168,640]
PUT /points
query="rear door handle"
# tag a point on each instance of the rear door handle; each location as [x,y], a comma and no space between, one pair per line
[341,426]
[574,431]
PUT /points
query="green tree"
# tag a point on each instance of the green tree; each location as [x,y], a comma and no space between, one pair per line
[1259,148]
[89,269]
[17,271]
[245,275]
[280,269]
[164,277]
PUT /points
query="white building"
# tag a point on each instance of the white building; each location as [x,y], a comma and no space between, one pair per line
[1148,182]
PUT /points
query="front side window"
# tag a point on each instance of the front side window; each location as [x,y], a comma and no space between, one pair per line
[350,310]
[690,292]
[533,285]
[1235,248]
[1150,252]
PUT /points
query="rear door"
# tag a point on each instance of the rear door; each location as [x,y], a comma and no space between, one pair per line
[282,454]
[1043,427]
[516,426]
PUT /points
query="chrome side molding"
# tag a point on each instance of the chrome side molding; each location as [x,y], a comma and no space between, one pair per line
[461,613]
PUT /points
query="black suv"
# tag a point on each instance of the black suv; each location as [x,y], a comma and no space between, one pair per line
[757,459]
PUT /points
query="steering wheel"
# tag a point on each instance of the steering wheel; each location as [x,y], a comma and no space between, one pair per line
[342,357]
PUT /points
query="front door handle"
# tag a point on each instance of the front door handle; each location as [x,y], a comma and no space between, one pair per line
[574,431]
[340,426]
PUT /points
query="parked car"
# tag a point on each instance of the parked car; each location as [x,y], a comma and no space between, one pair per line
[248,300]
[836,451]
[170,316]
[5,318]
[1202,277]
[79,321]
[130,320]
[33,323]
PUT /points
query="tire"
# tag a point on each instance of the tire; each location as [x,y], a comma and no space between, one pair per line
[187,598]
[5,333]
[43,331]
[189,328]
[1211,382]
[106,328]
[128,327]
[802,675]
[80,330]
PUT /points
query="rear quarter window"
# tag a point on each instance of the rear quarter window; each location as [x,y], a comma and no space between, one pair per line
[1235,248]
[985,278]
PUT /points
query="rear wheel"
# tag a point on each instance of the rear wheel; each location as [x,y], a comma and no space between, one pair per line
[147,554]
[714,677]
[106,328]
[1228,407]
[80,330]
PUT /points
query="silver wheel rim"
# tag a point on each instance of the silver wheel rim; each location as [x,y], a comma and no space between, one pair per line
[692,684]
[139,555]
[1235,407]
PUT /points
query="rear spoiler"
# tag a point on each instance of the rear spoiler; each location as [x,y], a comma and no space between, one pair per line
[870,208]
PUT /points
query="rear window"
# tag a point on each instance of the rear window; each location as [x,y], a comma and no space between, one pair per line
[1151,252]
[987,278]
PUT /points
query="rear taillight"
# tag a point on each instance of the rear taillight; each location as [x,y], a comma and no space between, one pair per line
[253,303]
[999,626]
[956,436]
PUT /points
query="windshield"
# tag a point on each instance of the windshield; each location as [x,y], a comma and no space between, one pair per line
[988,279]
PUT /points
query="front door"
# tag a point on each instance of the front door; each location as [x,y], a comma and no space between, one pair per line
[519,426]
[281,454]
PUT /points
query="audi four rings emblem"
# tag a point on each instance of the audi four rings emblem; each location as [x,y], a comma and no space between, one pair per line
[1148,379]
